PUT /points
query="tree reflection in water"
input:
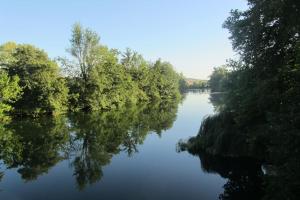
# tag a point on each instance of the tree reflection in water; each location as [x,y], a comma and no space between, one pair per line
[88,141]
[244,176]
[246,180]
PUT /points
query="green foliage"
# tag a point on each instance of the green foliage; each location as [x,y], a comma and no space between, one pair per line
[164,82]
[95,80]
[183,85]
[110,86]
[263,88]
[84,48]
[261,112]
[193,84]
[218,79]
[139,70]
[199,84]
[6,51]
[44,91]
[10,91]
[104,82]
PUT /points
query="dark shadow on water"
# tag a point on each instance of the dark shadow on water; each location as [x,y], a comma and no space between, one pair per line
[237,153]
[244,175]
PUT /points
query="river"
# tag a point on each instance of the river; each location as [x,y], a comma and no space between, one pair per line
[128,154]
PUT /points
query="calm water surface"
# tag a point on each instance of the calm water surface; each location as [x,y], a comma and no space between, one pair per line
[129,154]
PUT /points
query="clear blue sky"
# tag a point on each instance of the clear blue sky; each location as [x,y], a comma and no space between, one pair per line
[187,33]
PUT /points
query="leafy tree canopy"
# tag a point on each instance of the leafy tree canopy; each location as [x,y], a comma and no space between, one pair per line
[44,91]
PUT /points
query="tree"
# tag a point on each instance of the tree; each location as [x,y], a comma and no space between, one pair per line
[261,115]
[101,82]
[44,91]
[164,81]
[105,82]
[84,48]
[183,85]
[110,86]
[139,70]
[217,81]
[9,86]
[132,59]
[10,91]
[6,51]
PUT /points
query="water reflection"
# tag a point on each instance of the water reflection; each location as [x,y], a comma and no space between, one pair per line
[244,175]
[87,141]
[33,146]
[217,100]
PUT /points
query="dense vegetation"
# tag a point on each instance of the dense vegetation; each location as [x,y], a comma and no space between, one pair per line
[218,79]
[43,89]
[260,117]
[9,91]
[97,78]
[201,84]
[192,84]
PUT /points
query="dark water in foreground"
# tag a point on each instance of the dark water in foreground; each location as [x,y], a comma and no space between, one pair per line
[126,154]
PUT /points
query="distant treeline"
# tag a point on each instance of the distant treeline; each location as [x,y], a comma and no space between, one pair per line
[217,82]
[188,83]
[94,77]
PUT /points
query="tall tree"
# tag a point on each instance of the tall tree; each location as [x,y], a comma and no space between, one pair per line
[84,48]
